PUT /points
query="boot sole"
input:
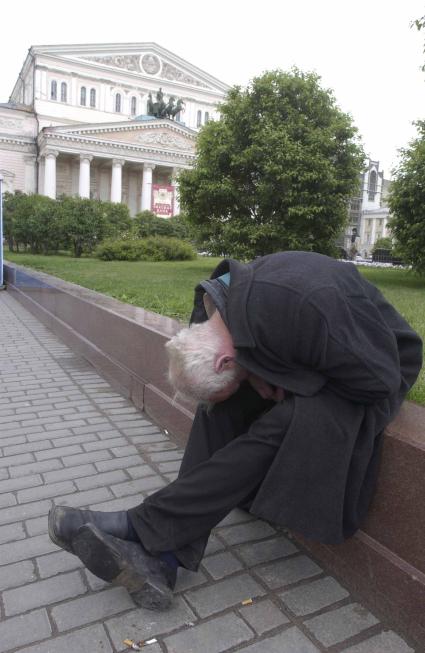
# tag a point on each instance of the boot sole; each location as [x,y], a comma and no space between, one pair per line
[108,564]
[53,535]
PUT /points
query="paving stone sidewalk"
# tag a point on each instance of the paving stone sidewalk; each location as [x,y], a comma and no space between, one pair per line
[66,437]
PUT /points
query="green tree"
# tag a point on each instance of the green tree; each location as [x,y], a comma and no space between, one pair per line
[84,223]
[32,221]
[276,171]
[419,23]
[383,243]
[407,202]
[117,217]
[146,223]
[11,203]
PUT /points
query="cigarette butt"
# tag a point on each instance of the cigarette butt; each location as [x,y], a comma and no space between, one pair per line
[151,641]
[133,645]
[247,602]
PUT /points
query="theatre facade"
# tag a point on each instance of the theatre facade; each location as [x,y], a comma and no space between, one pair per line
[113,122]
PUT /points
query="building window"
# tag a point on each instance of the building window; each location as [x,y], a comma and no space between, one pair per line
[64,92]
[83,96]
[372,186]
[118,103]
[93,98]
[207,117]
[133,106]
[199,118]
[54,90]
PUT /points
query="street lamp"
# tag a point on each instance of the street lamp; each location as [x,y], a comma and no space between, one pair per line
[1,231]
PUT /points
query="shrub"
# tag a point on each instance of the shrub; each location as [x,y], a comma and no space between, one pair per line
[383,243]
[32,221]
[147,224]
[153,248]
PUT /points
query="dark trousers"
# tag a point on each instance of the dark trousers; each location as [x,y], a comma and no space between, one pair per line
[224,463]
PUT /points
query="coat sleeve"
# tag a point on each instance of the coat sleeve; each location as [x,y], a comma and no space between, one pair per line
[348,341]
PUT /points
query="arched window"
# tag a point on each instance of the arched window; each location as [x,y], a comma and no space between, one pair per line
[133,106]
[54,90]
[64,92]
[83,96]
[207,117]
[199,118]
[118,103]
[93,97]
[372,185]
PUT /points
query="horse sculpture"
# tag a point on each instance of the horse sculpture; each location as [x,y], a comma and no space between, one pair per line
[179,107]
[161,110]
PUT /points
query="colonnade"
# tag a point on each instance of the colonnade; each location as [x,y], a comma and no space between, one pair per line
[145,200]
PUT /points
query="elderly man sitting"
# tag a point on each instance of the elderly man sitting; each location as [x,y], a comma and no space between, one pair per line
[298,364]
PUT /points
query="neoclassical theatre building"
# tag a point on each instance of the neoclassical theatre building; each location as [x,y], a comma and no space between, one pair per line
[113,122]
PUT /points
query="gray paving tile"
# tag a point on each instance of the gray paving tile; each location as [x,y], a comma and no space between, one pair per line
[221,564]
[25,549]
[214,636]
[144,624]
[386,642]
[43,592]
[263,616]
[224,594]
[187,579]
[10,533]
[26,511]
[338,625]
[87,609]
[87,640]
[25,629]
[258,552]
[313,596]
[57,563]
[285,572]
[290,641]
[17,574]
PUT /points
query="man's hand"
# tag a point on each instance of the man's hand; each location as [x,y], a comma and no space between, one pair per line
[265,390]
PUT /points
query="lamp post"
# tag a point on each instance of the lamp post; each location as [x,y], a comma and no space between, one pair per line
[1,230]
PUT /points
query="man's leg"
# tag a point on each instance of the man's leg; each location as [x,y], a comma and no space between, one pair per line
[225,461]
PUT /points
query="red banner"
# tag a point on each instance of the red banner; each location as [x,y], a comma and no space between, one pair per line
[163,200]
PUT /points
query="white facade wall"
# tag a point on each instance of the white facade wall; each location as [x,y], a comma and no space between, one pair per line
[33,126]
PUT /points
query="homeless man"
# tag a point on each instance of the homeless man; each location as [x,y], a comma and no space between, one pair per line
[299,364]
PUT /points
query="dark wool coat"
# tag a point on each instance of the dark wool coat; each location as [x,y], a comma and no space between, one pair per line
[317,328]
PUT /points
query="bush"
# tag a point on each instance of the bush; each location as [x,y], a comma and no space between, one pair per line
[45,225]
[383,243]
[147,224]
[32,221]
[153,248]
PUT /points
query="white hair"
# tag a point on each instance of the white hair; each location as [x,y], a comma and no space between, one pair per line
[192,356]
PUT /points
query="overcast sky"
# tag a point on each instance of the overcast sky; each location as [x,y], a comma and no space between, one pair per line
[365,51]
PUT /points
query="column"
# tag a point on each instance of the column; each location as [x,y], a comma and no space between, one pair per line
[30,170]
[116,179]
[175,182]
[50,174]
[373,234]
[84,178]
[147,187]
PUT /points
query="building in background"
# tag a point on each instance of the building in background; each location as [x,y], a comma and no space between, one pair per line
[77,123]
[368,212]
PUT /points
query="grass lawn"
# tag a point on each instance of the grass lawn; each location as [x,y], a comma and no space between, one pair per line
[167,288]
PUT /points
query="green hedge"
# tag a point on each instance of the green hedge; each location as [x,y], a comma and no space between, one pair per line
[154,248]
[43,225]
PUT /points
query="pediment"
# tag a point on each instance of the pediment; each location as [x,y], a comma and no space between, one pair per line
[148,60]
[158,135]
